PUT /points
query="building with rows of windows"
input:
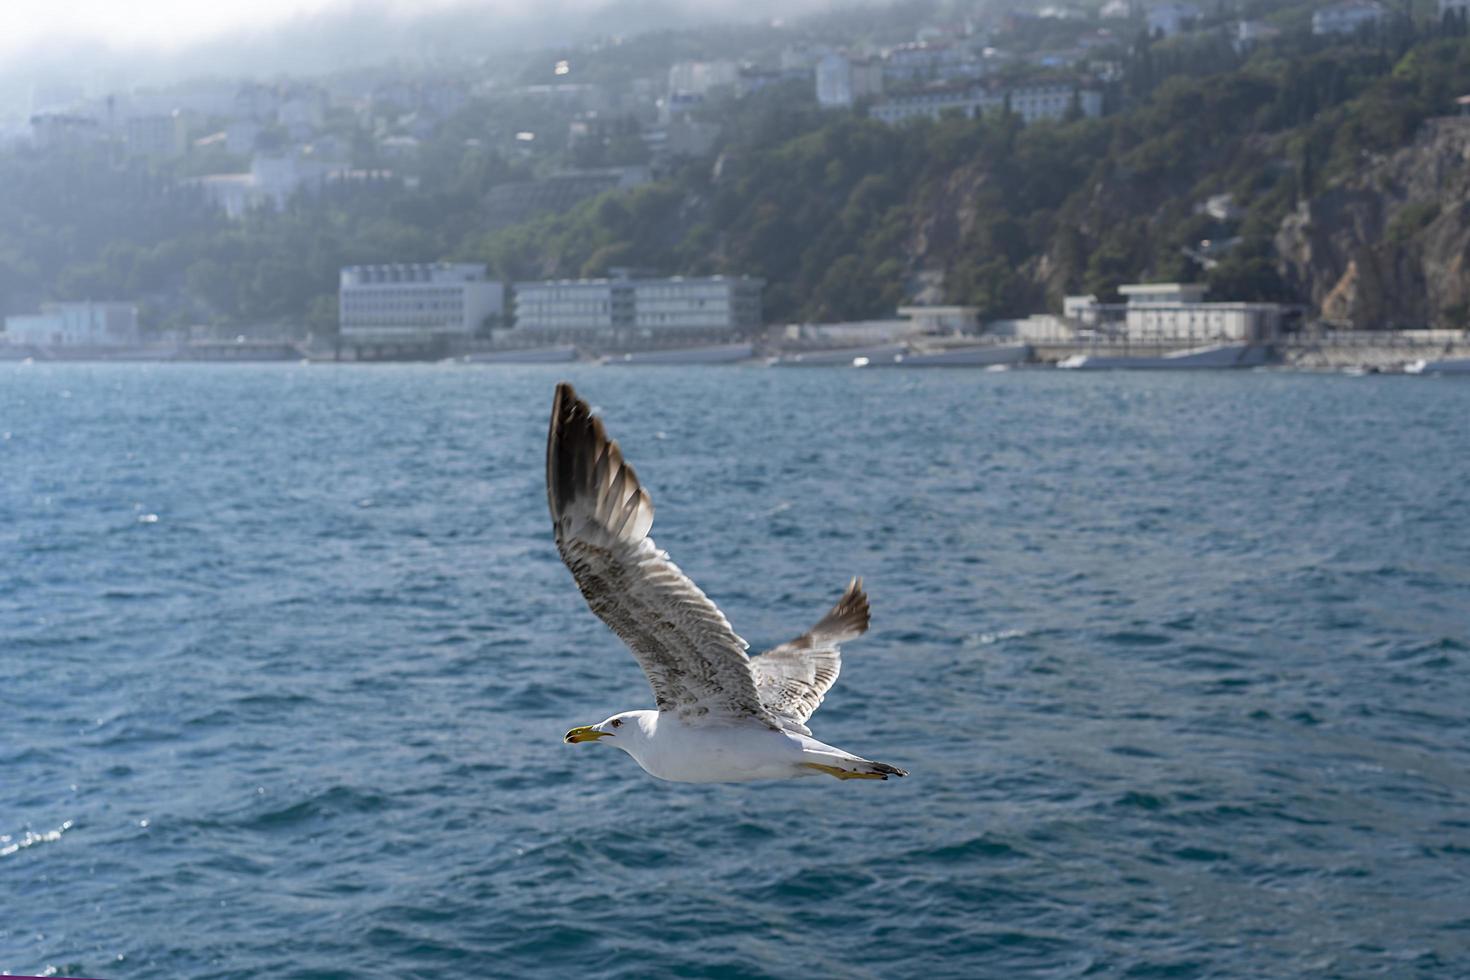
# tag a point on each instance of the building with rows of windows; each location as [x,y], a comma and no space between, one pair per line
[1032,103]
[1168,312]
[417,303]
[85,324]
[632,308]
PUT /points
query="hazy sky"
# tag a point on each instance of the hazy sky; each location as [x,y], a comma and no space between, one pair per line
[53,51]
[167,24]
[173,24]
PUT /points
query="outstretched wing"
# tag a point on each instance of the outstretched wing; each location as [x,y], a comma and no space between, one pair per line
[695,663]
[792,678]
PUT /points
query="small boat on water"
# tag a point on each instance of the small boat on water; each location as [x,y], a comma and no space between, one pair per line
[846,357]
[716,354]
[1215,357]
[972,355]
[1451,365]
[560,354]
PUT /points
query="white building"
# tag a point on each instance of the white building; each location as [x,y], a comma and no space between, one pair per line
[702,77]
[715,305]
[930,104]
[1172,312]
[941,320]
[1032,103]
[270,183]
[574,306]
[416,302]
[1346,17]
[841,80]
[930,61]
[163,136]
[1251,32]
[1171,18]
[84,324]
[1081,310]
[234,194]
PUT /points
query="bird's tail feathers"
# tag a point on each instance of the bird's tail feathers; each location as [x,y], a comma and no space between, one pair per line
[847,620]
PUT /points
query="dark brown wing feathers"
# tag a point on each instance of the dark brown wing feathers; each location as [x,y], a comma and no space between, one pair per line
[601,516]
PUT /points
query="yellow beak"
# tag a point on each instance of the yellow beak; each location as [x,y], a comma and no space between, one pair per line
[585,734]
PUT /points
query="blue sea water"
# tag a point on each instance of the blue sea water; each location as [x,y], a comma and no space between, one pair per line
[1178,664]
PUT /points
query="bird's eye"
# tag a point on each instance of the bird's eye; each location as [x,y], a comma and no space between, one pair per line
[616,723]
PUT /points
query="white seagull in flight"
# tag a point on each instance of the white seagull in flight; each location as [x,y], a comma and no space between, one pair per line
[722,716]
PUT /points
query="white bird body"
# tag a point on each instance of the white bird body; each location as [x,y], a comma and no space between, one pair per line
[734,752]
[722,716]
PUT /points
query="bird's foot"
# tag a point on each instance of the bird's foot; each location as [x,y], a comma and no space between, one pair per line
[843,773]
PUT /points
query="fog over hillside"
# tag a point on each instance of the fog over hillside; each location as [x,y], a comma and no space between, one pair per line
[354,34]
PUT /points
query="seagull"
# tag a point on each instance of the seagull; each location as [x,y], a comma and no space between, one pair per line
[721,715]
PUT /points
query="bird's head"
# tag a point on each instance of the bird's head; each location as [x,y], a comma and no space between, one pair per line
[622,730]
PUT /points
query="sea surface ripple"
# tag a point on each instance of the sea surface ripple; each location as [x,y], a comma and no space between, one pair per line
[1178,663]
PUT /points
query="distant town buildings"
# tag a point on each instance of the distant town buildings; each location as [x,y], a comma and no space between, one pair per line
[1031,102]
[1347,17]
[1169,19]
[416,303]
[941,320]
[51,130]
[162,136]
[1252,32]
[702,77]
[272,179]
[1174,312]
[842,81]
[83,324]
[646,307]
[931,104]
[930,61]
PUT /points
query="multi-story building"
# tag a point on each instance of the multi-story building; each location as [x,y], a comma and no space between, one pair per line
[930,61]
[930,104]
[648,308]
[1169,19]
[702,77]
[161,136]
[1346,17]
[1168,312]
[84,324]
[1053,101]
[416,303]
[574,306]
[841,80]
[271,181]
[717,304]
[1252,32]
[1031,102]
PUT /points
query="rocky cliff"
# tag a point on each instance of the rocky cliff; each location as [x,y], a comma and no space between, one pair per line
[1390,245]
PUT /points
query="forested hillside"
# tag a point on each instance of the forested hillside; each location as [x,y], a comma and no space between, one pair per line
[846,217]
